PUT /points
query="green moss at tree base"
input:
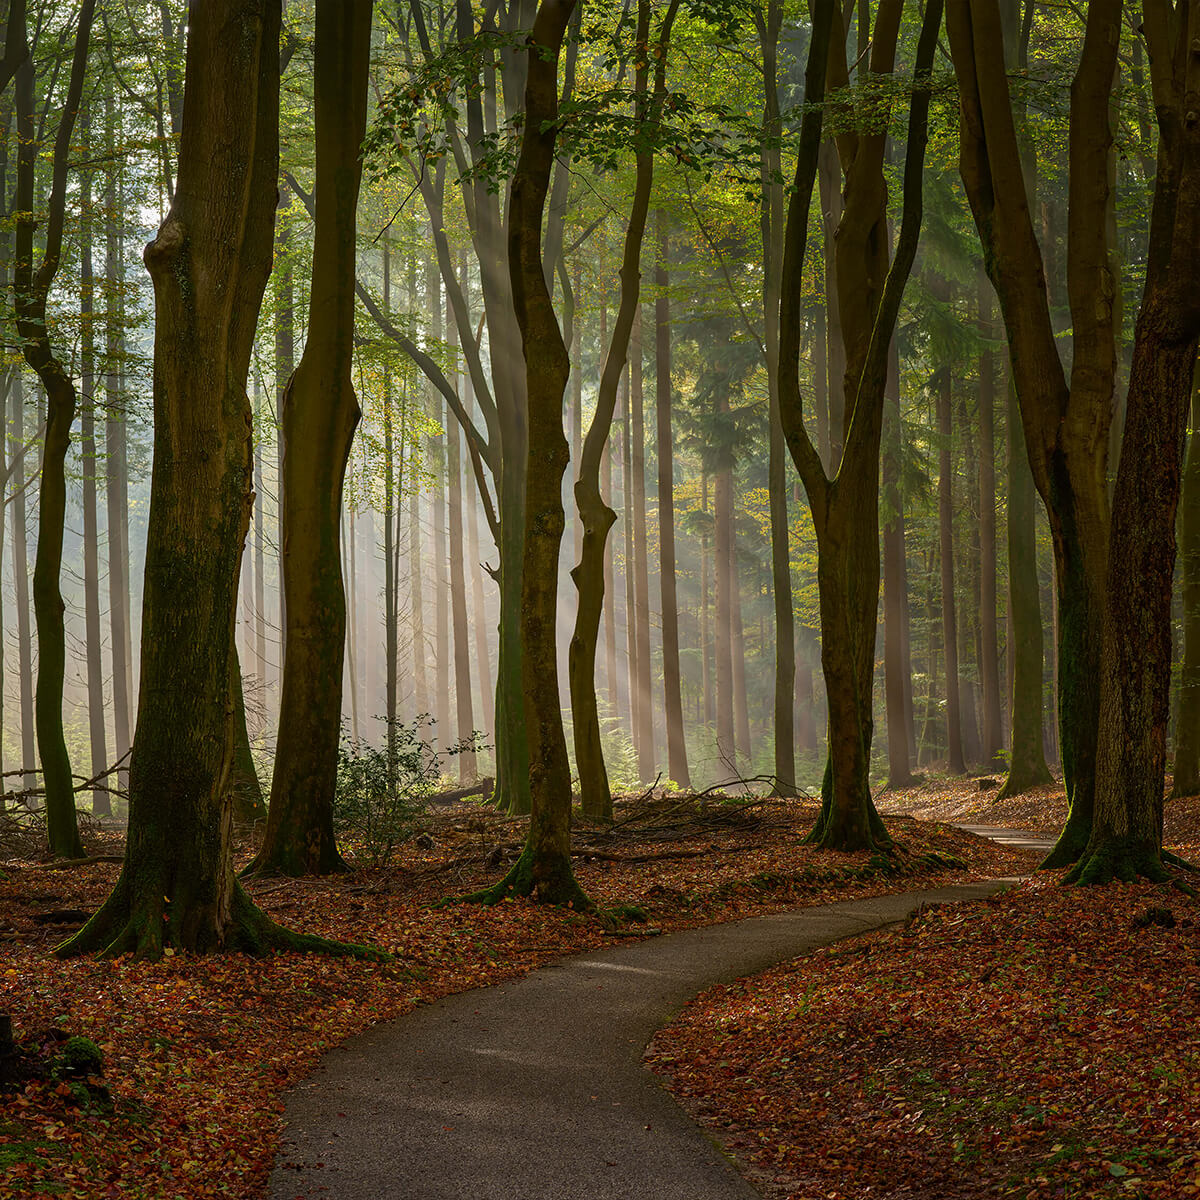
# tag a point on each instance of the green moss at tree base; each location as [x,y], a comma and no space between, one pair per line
[1072,842]
[547,878]
[1124,860]
[147,930]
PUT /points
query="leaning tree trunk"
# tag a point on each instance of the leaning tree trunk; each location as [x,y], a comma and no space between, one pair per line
[209,264]
[544,867]
[320,414]
[30,291]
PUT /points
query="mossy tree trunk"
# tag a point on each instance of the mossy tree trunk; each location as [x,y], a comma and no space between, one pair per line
[544,867]
[30,290]
[320,414]
[846,508]
[209,264]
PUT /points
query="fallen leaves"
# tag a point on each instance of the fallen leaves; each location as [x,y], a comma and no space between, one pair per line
[199,1052]
[1042,1044]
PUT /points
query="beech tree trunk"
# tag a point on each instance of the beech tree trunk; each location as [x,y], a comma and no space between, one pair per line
[677,763]
[845,508]
[31,289]
[101,805]
[21,584]
[1187,720]
[644,741]
[320,414]
[209,264]
[954,734]
[544,867]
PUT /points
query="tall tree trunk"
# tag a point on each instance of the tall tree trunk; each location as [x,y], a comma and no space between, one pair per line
[737,636]
[1187,721]
[464,709]
[436,460]
[320,414]
[30,290]
[989,661]
[677,763]
[21,583]
[101,807]
[209,264]
[285,365]
[771,230]
[644,741]
[845,509]
[954,736]
[544,868]
[723,555]
[895,594]
[631,647]
[707,666]
[487,692]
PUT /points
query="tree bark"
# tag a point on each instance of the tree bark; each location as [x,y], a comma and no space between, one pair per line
[31,289]
[845,509]
[1187,720]
[954,735]
[989,662]
[544,868]
[209,264]
[644,741]
[677,762]
[320,414]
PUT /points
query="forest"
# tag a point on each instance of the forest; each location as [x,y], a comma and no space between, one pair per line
[486,482]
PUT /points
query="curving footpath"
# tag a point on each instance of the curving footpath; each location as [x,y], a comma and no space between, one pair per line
[535,1089]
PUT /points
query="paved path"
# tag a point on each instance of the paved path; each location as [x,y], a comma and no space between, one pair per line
[535,1089]
[1013,839]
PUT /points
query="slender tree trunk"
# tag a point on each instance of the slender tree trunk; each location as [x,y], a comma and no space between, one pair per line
[641,570]
[21,584]
[706,638]
[771,229]
[954,736]
[320,414]
[989,662]
[631,646]
[486,688]
[741,711]
[895,595]
[285,364]
[30,293]
[436,460]
[101,806]
[544,868]
[677,763]
[464,710]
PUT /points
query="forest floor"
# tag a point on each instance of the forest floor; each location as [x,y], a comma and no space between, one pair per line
[1045,1043]
[198,1052]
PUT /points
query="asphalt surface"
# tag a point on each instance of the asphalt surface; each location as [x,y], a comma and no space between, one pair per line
[535,1089]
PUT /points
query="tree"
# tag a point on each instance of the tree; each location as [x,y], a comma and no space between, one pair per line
[209,264]
[544,867]
[596,515]
[318,419]
[845,508]
[1112,574]
[31,290]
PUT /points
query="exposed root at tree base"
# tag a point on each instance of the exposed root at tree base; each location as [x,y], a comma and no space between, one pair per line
[548,879]
[146,931]
[1171,859]
[1071,844]
[1118,861]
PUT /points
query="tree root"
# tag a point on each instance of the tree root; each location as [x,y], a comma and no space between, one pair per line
[1071,844]
[549,880]
[1118,861]
[1180,864]
[147,930]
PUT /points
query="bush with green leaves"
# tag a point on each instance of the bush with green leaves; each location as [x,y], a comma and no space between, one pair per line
[382,790]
